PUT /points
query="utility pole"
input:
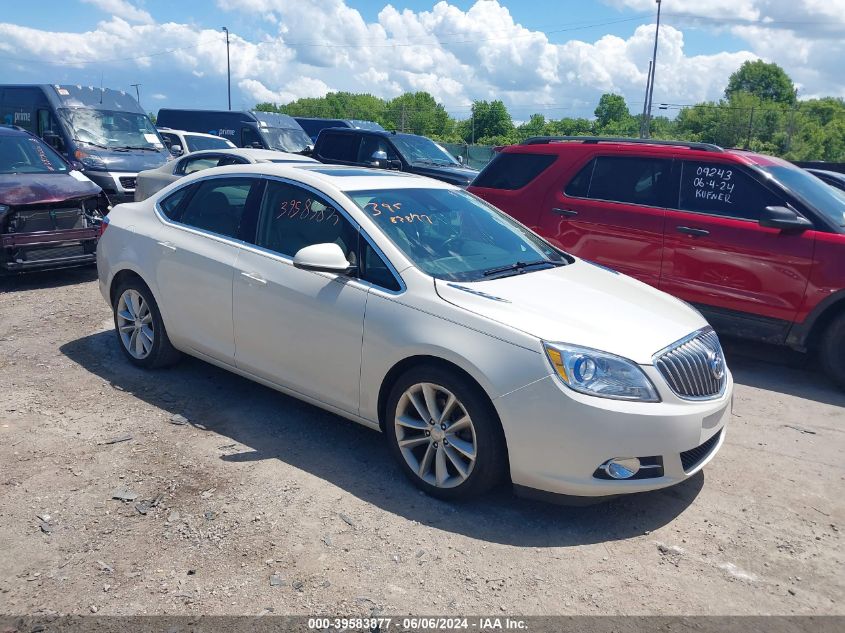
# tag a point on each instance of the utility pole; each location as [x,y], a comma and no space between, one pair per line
[403,117]
[137,92]
[228,69]
[792,122]
[651,77]
[645,102]
[750,128]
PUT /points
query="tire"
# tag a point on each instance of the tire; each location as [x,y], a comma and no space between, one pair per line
[832,350]
[428,448]
[149,348]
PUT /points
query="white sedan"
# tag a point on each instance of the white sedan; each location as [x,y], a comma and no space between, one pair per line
[413,307]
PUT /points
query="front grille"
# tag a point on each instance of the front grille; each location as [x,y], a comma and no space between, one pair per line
[128,182]
[48,218]
[55,252]
[693,457]
[694,367]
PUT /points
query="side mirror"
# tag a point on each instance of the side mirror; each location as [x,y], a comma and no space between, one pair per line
[379,158]
[785,219]
[176,150]
[460,159]
[77,166]
[327,258]
[55,141]
[256,145]
[394,164]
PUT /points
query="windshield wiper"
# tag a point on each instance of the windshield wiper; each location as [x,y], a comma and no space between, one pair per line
[151,149]
[79,140]
[519,266]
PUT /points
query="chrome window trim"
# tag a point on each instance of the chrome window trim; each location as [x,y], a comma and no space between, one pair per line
[689,337]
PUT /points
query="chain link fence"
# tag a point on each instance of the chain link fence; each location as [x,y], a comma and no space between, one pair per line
[475,156]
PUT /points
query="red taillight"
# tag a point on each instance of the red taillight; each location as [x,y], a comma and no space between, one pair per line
[104,224]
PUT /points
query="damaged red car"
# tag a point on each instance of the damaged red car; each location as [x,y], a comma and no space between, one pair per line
[50,213]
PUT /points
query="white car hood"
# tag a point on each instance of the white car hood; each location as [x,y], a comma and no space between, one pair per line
[582,304]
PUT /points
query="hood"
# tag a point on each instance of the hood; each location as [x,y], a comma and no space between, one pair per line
[22,189]
[131,160]
[460,176]
[582,304]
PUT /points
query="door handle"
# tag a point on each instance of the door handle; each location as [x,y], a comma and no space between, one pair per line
[692,231]
[255,277]
[567,213]
[167,245]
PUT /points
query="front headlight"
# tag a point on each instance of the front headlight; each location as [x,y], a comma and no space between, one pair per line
[600,374]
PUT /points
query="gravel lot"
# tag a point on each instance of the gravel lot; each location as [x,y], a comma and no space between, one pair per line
[262,504]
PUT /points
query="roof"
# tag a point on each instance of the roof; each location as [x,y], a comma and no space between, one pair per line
[170,129]
[13,130]
[253,154]
[331,177]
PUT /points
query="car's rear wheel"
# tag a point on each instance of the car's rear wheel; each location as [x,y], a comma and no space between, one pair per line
[140,329]
[832,350]
[445,434]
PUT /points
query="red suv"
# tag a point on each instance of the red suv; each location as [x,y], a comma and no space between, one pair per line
[754,242]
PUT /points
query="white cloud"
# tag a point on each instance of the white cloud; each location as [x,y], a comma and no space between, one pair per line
[159,96]
[457,55]
[122,9]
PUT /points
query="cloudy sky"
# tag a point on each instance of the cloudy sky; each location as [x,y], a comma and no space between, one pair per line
[549,56]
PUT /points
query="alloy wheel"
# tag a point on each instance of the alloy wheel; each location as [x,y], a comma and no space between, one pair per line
[436,435]
[135,324]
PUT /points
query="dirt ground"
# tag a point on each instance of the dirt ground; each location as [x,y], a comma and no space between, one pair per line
[263,504]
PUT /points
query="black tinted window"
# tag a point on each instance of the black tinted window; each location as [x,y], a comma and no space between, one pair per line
[635,180]
[218,205]
[579,186]
[340,146]
[373,268]
[250,138]
[513,171]
[171,205]
[292,218]
[720,189]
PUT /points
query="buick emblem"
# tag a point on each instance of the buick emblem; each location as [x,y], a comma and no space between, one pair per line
[716,364]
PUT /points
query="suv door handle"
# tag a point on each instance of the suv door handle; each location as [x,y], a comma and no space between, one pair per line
[692,231]
[255,277]
[167,245]
[567,213]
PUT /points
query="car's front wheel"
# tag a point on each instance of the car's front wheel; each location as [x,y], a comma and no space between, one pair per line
[139,327]
[445,434]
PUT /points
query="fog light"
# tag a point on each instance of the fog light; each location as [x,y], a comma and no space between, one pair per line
[623,467]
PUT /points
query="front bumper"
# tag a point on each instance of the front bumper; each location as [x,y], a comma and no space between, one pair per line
[558,438]
[48,249]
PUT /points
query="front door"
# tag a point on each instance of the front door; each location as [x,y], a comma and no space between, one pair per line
[194,270]
[612,212]
[299,328]
[718,255]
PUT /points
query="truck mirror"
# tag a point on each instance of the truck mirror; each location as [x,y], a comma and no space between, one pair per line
[379,158]
[176,150]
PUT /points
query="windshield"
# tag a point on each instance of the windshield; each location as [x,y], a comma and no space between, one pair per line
[286,139]
[197,143]
[112,130]
[453,235]
[28,155]
[419,149]
[818,194]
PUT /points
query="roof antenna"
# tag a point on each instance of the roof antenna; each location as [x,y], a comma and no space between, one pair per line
[101,87]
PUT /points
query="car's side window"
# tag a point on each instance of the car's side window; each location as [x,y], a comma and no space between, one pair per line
[374,269]
[724,190]
[579,186]
[250,138]
[340,147]
[170,139]
[191,165]
[372,144]
[292,218]
[218,205]
[172,204]
[632,180]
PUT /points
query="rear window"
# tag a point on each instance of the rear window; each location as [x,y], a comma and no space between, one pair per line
[631,180]
[339,147]
[197,143]
[513,171]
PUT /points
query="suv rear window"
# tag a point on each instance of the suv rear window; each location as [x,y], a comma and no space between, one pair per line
[632,180]
[513,171]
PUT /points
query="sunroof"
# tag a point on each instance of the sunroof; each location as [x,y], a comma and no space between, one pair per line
[352,171]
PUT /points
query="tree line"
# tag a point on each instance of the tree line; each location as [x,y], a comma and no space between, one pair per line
[760,110]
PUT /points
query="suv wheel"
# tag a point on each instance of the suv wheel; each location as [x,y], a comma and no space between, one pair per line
[445,434]
[140,330]
[832,350]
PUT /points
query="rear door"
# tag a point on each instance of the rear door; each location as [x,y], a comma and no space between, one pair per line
[612,212]
[718,255]
[198,246]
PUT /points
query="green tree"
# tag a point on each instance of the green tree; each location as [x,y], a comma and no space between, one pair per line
[768,82]
[417,113]
[611,109]
[490,124]
[534,126]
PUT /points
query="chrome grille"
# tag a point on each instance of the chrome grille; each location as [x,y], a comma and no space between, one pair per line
[128,182]
[694,367]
